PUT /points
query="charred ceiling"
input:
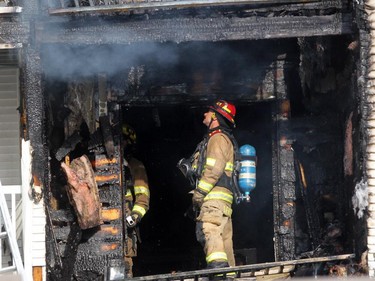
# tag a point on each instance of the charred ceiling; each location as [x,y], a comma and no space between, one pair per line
[170,73]
[183,30]
[299,137]
[237,21]
[144,24]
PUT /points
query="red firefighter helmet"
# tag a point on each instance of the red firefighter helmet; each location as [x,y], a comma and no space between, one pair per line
[226,109]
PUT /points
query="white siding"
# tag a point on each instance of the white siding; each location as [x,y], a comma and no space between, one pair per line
[34,220]
[39,235]
[10,167]
[10,170]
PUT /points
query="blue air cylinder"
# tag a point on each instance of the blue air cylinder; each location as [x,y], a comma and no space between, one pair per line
[247,176]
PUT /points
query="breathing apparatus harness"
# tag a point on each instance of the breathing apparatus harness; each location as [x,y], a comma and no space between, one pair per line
[193,173]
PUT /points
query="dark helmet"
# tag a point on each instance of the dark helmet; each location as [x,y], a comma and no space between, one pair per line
[129,134]
[225,109]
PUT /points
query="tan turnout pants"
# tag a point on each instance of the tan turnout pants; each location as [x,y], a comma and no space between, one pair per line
[130,252]
[214,231]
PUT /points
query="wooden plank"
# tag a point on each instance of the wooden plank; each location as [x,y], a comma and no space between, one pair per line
[108,232]
[198,29]
[111,214]
[277,276]
[37,273]
[243,268]
[141,5]
[83,192]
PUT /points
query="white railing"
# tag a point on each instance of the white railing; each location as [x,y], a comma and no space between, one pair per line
[13,199]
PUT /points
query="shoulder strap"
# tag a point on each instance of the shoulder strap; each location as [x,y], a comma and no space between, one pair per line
[236,167]
[237,154]
[201,148]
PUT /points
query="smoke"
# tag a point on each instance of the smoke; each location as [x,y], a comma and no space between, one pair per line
[62,61]
[360,198]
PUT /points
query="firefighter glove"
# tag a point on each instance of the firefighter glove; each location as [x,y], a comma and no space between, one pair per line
[197,200]
[132,220]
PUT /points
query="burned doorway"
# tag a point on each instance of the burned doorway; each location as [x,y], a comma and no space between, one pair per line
[162,90]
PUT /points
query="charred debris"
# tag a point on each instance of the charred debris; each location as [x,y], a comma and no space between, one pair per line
[297,73]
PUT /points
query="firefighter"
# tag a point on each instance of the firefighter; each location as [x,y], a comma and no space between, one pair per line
[212,197]
[137,196]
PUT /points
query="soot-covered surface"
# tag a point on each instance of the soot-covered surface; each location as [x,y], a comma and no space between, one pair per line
[162,93]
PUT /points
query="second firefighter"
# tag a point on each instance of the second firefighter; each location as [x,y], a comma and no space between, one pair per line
[137,196]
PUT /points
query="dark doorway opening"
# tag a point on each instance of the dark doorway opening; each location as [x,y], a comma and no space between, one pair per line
[167,133]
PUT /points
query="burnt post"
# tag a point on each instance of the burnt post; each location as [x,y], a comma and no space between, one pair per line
[35,118]
[34,122]
[283,171]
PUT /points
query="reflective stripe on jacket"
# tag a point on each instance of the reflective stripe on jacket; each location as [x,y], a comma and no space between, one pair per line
[219,157]
[141,199]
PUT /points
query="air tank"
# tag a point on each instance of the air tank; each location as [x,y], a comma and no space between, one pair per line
[247,175]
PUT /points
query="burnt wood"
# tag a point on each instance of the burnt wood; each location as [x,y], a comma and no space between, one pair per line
[167,6]
[195,29]
[141,5]
[83,192]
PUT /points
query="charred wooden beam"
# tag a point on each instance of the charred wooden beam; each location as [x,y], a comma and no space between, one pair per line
[35,112]
[83,192]
[195,29]
[103,163]
[151,101]
[103,232]
[14,33]
[283,174]
[111,214]
[62,216]
[166,5]
[108,178]
[243,268]
[68,145]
